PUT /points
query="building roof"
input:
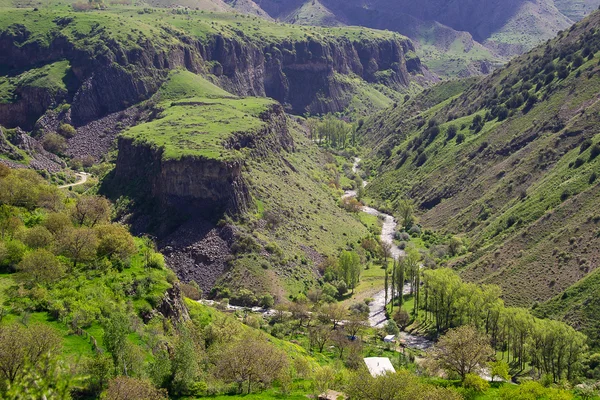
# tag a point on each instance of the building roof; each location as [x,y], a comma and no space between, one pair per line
[379,365]
[389,338]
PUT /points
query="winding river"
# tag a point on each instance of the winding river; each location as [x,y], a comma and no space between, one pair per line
[377,318]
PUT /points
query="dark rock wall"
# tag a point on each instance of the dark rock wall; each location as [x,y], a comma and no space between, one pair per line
[292,72]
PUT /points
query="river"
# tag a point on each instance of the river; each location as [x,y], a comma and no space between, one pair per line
[377,318]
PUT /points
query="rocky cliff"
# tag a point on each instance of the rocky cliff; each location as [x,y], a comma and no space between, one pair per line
[112,73]
[198,186]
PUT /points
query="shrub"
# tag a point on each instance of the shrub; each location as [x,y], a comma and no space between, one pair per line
[391,328]
[451,132]
[54,143]
[475,383]
[595,152]
[586,144]
[66,130]
[460,138]
[156,261]
[593,177]
[415,230]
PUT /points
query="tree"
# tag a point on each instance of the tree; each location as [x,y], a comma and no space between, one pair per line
[462,350]
[91,210]
[499,369]
[401,318]
[451,132]
[115,242]
[355,324]
[334,313]
[21,347]
[350,268]
[340,341]
[40,266]
[267,301]
[249,361]
[126,388]
[57,222]
[79,244]
[386,251]
[38,237]
[185,363]
[116,329]
[319,336]
[455,246]
[405,209]
[323,379]
[100,370]
[401,385]
[391,328]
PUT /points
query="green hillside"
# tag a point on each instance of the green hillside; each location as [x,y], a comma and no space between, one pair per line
[510,164]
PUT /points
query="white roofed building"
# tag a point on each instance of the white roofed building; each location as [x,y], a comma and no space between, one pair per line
[379,366]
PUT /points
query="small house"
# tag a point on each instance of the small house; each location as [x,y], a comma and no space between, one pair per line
[379,366]
[389,338]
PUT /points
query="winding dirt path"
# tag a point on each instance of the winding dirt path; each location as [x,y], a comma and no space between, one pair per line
[82,178]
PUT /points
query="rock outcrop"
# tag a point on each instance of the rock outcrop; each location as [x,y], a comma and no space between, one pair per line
[197,186]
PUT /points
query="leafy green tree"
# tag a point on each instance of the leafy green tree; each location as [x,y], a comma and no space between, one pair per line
[405,209]
[115,242]
[25,350]
[250,361]
[40,266]
[99,370]
[79,244]
[116,329]
[462,350]
[500,369]
[185,364]
[350,268]
[91,210]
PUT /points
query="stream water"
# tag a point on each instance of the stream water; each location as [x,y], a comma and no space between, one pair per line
[377,318]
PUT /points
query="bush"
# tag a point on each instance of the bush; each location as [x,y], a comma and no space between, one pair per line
[267,301]
[415,230]
[54,143]
[391,328]
[451,132]
[66,131]
[156,261]
[460,138]
[475,383]
[595,152]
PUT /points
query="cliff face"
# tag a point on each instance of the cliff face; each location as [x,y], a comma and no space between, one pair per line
[200,187]
[114,75]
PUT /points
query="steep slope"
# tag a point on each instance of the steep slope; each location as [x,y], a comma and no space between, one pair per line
[102,62]
[516,173]
[234,191]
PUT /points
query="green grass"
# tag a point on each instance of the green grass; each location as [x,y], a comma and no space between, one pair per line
[184,84]
[52,77]
[198,126]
